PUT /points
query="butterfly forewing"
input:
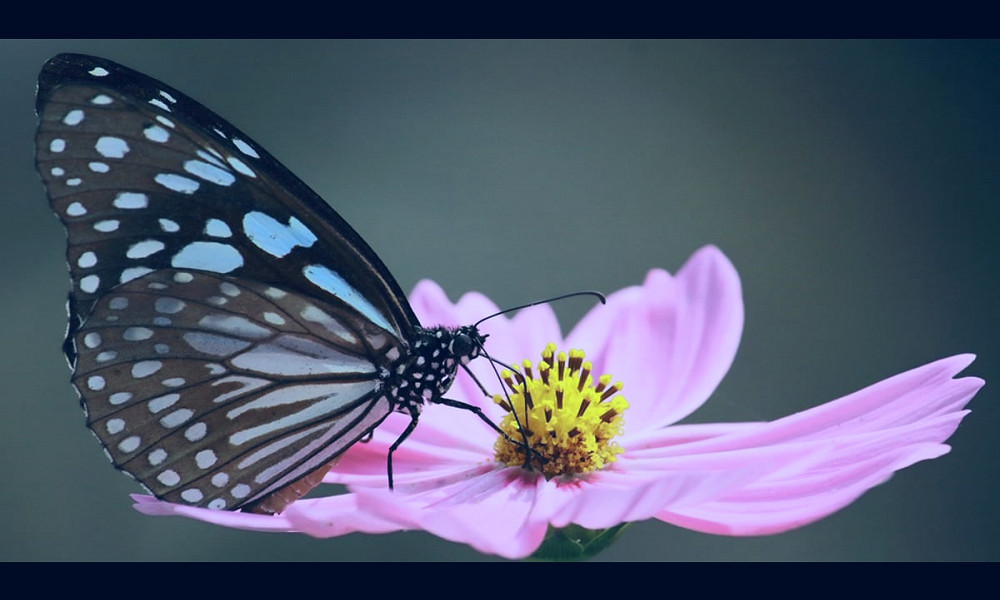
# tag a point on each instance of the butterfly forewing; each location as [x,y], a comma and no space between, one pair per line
[144,178]
[230,334]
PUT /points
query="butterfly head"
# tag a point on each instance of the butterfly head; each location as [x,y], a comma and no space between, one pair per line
[466,343]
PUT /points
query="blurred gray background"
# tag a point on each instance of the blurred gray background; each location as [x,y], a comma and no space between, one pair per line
[854,184]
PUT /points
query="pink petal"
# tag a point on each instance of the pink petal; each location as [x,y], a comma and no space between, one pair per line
[673,339]
[340,515]
[872,433]
[491,512]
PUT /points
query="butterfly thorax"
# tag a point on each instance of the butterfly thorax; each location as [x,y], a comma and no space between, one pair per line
[429,371]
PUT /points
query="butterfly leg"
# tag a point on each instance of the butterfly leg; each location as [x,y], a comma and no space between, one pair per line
[414,417]
[528,451]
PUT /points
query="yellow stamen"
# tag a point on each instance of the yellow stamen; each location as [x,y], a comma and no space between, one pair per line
[568,421]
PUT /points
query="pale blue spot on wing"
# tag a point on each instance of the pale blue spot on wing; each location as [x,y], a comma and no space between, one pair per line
[333,283]
[274,237]
[177,183]
[208,256]
[241,166]
[155,133]
[169,226]
[245,148]
[133,273]
[209,172]
[131,200]
[144,249]
[217,228]
[111,147]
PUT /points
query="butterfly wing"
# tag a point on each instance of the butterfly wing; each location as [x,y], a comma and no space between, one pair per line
[126,159]
[215,298]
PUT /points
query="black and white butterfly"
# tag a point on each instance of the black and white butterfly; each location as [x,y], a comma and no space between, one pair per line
[229,333]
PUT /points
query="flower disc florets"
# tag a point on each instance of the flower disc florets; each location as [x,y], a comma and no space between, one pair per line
[566,419]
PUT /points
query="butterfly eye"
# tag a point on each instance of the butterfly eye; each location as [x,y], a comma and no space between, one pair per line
[463,346]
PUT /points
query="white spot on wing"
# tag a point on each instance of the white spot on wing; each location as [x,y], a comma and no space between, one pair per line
[168,305]
[209,173]
[162,403]
[57,145]
[177,417]
[120,398]
[129,444]
[111,147]
[169,226]
[169,477]
[146,368]
[291,355]
[137,334]
[133,273]
[76,210]
[98,71]
[155,133]
[106,356]
[233,325]
[107,226]
[92,340]
[205,459]
[131,200]
[218,228]
[144,248]
[157,456]
[315,315]
[240,166]
[216,345]
[275,238]
[208,256]
[177,183]
[73,117]
[195,432]
[87,259]
[90,283]
[274,318]
[245,148]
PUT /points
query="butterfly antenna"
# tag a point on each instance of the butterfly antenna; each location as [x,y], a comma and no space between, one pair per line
[593,293]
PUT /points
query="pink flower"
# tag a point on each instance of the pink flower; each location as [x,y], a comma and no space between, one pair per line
[670,340]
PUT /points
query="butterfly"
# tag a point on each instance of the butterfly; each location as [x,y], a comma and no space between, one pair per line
[230,335]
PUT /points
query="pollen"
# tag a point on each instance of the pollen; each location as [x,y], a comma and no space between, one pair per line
[565,416]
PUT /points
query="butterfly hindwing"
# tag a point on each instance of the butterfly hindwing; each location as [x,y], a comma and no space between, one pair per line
[211,390]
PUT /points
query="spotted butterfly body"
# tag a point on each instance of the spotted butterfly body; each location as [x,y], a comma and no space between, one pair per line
[229,333]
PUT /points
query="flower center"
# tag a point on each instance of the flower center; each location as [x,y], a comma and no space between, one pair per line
[566,419]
